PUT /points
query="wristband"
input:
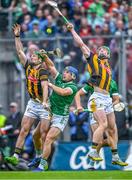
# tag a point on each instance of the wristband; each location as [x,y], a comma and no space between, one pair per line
[17,36]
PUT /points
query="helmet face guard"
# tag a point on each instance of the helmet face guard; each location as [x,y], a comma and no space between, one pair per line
[39,55]
[103,52]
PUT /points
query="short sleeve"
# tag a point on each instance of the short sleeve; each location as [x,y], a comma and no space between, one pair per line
[73,88]
[113,88]
[86,89]
[43,75]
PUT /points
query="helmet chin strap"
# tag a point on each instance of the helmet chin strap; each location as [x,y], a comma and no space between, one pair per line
[35,64]
[101,57]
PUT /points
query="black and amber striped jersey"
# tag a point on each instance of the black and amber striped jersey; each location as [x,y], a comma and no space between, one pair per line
[100,72]
[33,80]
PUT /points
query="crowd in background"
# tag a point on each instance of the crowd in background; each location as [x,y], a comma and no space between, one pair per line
[90,18]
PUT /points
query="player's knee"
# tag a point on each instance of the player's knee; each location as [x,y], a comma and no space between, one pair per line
[104,125]
[49,139]
[43,136]
[24,131]
[113,130]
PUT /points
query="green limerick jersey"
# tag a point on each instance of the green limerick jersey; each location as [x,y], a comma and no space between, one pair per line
[60,104]
[113,88]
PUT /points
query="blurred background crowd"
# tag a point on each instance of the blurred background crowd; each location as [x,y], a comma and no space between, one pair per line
[98,22]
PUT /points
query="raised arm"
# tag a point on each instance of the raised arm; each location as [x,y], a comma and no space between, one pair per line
[18,43]
[51,67]
[78,40]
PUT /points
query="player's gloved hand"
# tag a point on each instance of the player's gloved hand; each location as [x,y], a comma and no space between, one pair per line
[50,84]
[69,26]
[119,106]
[42,54]
[79,110]
[46,106]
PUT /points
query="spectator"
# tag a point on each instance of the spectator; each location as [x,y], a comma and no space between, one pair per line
[119,28]
[36,32]
[2,117]
[22,10]
[93,19]
[85,29]
[121,121]
[98,7]
[129,30]
[77,20]
[109,20]
[40,4]
[106,31]
[14,119]
[5,4]
[50,27]
[79,125]
[97,30]
[27,20]
[38,17]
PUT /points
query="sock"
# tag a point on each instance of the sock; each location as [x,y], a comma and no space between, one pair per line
[94,145]
[17,152]
[43,164]
[38,153]
[91,163]
[114,152]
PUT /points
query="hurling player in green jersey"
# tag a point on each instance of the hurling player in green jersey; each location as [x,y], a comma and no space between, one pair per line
[94,124]
[64,90]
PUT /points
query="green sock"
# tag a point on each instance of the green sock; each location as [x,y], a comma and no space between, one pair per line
[38,152]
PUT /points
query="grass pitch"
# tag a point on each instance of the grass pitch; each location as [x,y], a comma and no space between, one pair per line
[66,175]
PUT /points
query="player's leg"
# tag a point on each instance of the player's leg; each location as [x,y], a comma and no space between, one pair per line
[113,139]
[94,126]
[96,104]
[101,118]
[28,119]
[26,125]
[39,134]
[38,147]
[50,138]
[37,140]
[58,124]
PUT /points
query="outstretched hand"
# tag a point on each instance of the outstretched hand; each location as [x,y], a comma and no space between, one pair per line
[16,29]
[43,52]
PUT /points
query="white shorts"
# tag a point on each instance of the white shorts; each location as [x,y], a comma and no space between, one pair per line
[36,110]
[98,101]
[59,121]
